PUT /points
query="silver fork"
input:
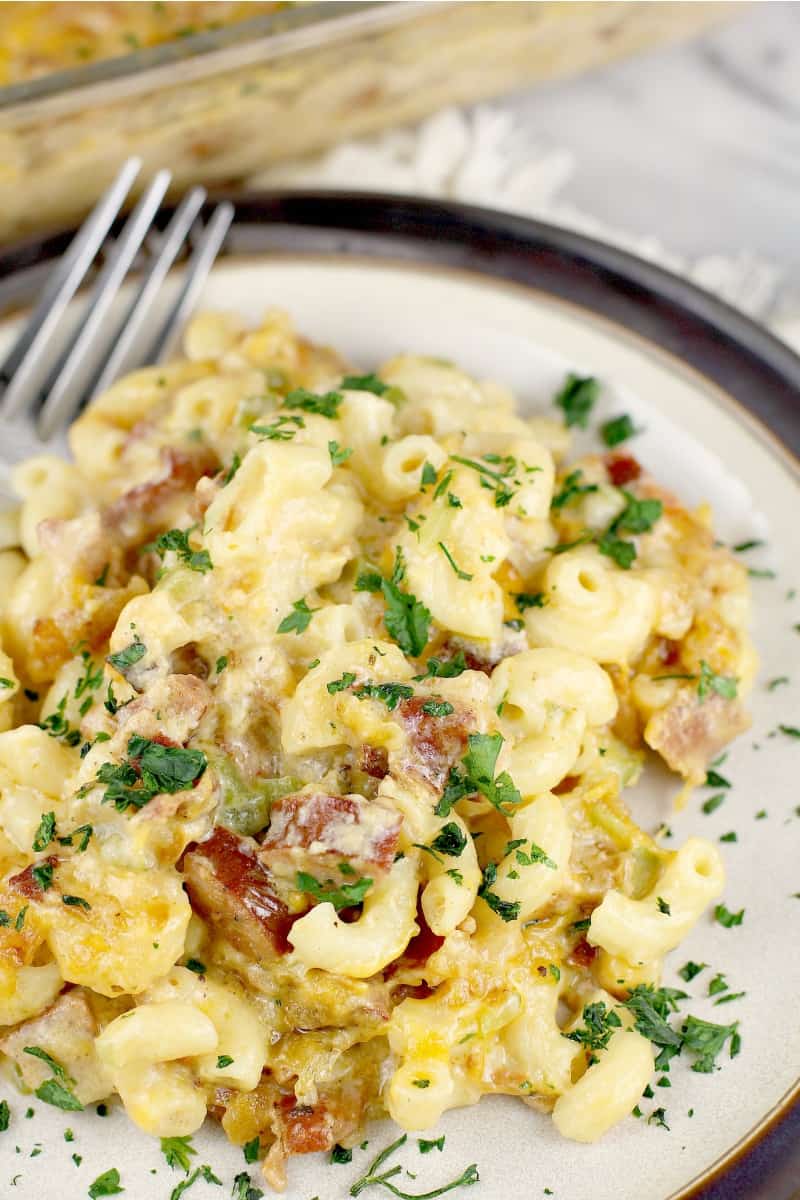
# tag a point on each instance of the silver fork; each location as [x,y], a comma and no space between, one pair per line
[48,375]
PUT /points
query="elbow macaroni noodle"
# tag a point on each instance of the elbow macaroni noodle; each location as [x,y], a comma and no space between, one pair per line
[317,695]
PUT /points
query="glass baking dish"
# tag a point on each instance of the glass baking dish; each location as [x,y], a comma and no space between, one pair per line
[217,106]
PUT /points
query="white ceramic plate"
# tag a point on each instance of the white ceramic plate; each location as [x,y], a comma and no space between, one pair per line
[699,443]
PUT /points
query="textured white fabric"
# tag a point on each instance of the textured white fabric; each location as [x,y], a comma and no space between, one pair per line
[480,156]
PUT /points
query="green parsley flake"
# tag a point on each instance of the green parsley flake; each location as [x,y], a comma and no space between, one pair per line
[178,1151]
[345,895]
[106,1184]
[177,541]
[326,405]
[338,456]
[576,399]
[724,685]
[727,918]
[45,832]
[617,429]
[298,620]
[123,660]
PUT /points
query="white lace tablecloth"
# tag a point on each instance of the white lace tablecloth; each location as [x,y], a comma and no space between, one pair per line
[689,156]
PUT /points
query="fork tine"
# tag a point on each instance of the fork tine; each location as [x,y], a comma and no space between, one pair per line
[125,334]
[201,262]
[24,356]
[62,395]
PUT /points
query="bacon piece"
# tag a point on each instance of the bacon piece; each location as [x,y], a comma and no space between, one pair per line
[316,832]
[436,743]
[374,761]
[25,883]
[232,890]
[622,469]
[688,734]
[143,509]
[582,954]
[306,1128]
[66,1030]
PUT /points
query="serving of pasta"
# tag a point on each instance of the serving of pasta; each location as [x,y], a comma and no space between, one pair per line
[319,690]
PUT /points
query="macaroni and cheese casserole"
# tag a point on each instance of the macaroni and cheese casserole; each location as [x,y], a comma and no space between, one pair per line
[320,690]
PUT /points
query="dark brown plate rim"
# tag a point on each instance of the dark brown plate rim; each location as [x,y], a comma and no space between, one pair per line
[755,370]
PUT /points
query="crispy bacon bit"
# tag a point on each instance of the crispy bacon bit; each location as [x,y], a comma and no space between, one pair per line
[582,954]
[688,734]
[142,510]
[420,948]
[66,1030]
[25,883]
[669,652]
[317,832]
[235,892]
[436,742]
[566,785]
[304,1129]
[622,469]
[171,707]
[374,761]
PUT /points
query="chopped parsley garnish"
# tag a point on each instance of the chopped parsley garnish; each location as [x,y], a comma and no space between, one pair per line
[124,659]
[76,902]
[712,803]
[741,547]
[344,895]
[85,832]
[178,1151]
[529,858]
[706,1040]
[203,1172]
[599,1024]
[658,1117]
[236,462]
[389,694]
[663,906]
[341,1155]
[727,918]
[57,725]
[223,1061]
[371,1178]
[282,429]
[438,708]
[778,681]
[221,664]
[45,832]
[299,618]
[690,969]
[42,875]
[572,490]
[790,730]
[91,678]
[437,668]
[650,1008]
[150,770]
[194,964]
[339,685]
[338,456]
[425,1145]
[252,1150]
[177,540]
[5,1116]
[494,481]
[715,780]
[465,575]
[723,685]
[728,837]
[6,683]
[450,840]
[407,619]
[102,577]
[617,429]
[365,383]
[326,405]
[577,399]
[428,476]
[106,1184]
[479,763]
[525,600]
[243,1188]
[507,910]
